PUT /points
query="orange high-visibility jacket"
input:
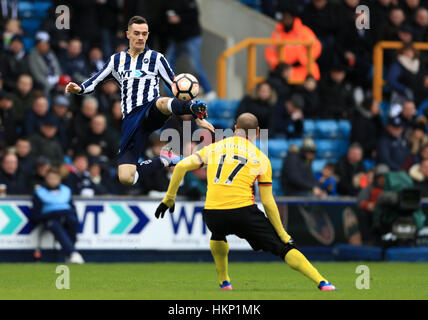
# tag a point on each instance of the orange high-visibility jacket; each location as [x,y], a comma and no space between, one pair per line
[295,53]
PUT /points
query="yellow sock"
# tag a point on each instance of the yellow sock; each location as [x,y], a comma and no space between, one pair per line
[219,250]
[296,260]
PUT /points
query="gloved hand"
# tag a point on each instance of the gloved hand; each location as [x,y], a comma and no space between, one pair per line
[160,211]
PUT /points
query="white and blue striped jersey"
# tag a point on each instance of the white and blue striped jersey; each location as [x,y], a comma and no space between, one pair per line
[138,77]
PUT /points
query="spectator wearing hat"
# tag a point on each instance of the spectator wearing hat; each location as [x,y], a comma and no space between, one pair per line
[23,95]
[287,120]
[73,61]
[45,143]
[14,62]
[366,126]
[42,166]
[366,203]
[60,108]
[10,175]
[261,103]
[336,94]
[43,63]
[393,149]
[406,76]
[291,28]
[349,170]
[297,177]
[36,115]
[8,119]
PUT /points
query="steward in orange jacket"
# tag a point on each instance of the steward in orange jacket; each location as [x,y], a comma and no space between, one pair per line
[291,28]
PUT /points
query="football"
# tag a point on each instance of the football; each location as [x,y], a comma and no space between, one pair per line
[185,87]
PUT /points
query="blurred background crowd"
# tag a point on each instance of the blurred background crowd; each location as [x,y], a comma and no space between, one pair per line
[40,127]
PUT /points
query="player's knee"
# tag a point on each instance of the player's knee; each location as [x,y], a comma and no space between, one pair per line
[126,178]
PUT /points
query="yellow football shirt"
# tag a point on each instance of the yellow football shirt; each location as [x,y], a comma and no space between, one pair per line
[233,165]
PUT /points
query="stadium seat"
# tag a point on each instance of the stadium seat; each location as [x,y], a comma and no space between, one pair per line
[221,108]
[308,128]
[326,148]
[28,43]
[277,188]
[222,123]
[41,8]
[326,129]
[318,164]
[422,107]
[277,148]
[26,9]
[344,128]
[30,26]
[369,164]
[276,167]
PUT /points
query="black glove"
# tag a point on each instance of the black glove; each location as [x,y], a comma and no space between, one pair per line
[160,211]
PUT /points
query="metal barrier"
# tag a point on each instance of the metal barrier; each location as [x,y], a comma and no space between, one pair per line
[250,44]
[378,54]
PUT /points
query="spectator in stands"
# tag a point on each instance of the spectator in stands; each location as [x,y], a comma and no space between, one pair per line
[349,170]
[291,28]
[36,115]
[115,121]
[416,138]
[420,177]
[10,176]
[108,95]
[408,115]
[8,119]
[393,149]
[345,13]
[8,11]
[320,16]
[297,178]
[354,48]
[278,80]
[108,19]
[379,12]
[85,22]
[185,32]
[79,179]
[420,26]
[14,62]
[95,61]
[366,201]
[97,142]
[410,8]
[414,169]
[45,143]
[73,61]
[406,77]
[388,31]
[43,64]
[25,160]
[327,180]
[261,103]
[12,28]
[59,37]
[53,208]
[22,96]
[42,166]
[310,93]
[367,126]
[60,110]
[287,119]
[101,181]
[336,94]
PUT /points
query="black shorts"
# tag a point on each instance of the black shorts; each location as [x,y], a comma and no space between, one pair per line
[248,223]
[136,130]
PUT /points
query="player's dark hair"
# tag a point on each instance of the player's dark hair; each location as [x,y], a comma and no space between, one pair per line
[137,20]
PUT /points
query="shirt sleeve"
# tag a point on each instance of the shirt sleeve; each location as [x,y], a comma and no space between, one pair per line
[265,175]
[89,85]
[165,71]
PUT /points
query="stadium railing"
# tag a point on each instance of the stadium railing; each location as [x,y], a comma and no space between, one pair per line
[250,45]
[378,54]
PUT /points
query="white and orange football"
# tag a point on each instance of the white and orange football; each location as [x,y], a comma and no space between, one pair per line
[185,87]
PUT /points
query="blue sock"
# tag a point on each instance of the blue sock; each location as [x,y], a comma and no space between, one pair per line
[179,107]
[147,167]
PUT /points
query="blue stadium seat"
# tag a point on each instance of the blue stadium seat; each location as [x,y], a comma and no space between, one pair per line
[297,142]
[222,123]
[277,188]
[276,167]
[369,164]
[344,127]
[30,26]
[422,107]
[28,43]
[221,108]
[309,128]
[318,164]
[255,4]
[26,9]
[326,129]
[42,7]
[277,148]
[331,148]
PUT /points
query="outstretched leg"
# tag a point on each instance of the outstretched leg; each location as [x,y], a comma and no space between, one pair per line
[175,106]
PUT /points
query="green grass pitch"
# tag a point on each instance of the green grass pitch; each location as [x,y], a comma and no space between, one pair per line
[194,281]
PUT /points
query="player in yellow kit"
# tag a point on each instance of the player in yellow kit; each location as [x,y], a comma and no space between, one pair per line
[233,166]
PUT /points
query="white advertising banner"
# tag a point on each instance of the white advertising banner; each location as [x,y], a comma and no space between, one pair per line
[115,224]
